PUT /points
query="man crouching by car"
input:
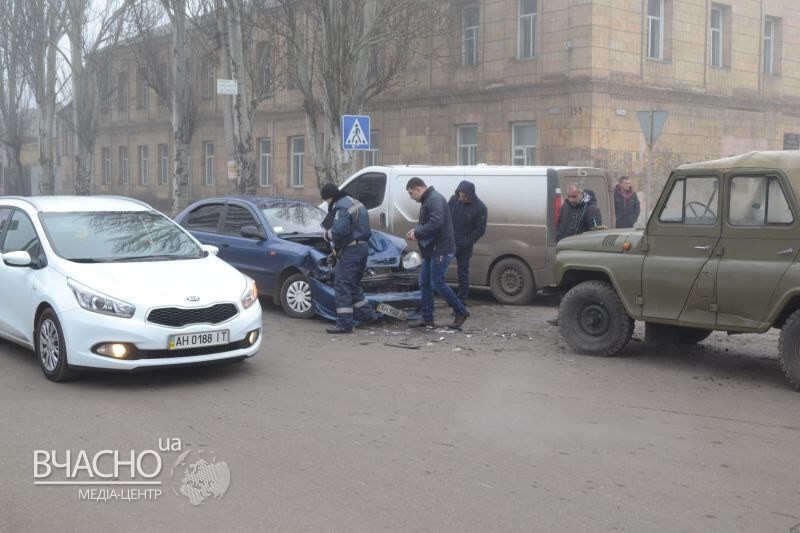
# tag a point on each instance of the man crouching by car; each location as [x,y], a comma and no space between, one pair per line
[349,234]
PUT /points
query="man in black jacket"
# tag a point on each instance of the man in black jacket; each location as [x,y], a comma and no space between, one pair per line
[469,224]
[579,213]
[626,203]
[434,233]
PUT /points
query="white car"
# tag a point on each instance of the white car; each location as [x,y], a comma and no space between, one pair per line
[110,283]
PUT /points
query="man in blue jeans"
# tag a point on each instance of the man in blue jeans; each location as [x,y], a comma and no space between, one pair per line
[435,236]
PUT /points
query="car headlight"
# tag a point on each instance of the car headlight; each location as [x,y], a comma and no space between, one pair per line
[97,302]
[250,294]
[412,260]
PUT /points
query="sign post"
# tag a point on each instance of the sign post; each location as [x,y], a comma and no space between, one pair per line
[651,122]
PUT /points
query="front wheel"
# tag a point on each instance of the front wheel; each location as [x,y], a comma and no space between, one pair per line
[789,349]
[511,282]
[51,349]
[296,297]
[593,320]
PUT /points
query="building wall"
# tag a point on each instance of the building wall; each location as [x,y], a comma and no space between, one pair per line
[590,74]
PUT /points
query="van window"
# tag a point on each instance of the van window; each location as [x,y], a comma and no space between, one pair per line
[368,189]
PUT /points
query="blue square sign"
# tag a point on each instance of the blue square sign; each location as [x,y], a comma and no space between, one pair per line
[355,132]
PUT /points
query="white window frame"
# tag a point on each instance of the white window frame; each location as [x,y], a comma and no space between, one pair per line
[717,38]
[527,22]
[519,152]
[656,21]
[297,162]
[163,155]
[469,34]
[372,156]
[123,164]
[470,150]
[265,161]
[144,160]
[769,46]
[208,162]
[106,163]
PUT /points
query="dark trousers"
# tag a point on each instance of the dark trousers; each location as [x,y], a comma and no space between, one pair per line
[431,280]
[350,300]
[462,261]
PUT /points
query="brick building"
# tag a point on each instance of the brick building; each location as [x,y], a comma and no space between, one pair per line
[527,82]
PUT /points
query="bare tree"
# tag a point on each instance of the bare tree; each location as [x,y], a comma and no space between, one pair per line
[13,101]
[92,35]
[343,54]
[40,27]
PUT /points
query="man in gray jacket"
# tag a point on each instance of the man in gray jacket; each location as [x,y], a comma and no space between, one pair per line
[437,244]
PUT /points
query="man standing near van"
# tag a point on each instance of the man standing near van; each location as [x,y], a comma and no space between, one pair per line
[469,224]
[349,233]
[580,213]
[626,203]
[434,233]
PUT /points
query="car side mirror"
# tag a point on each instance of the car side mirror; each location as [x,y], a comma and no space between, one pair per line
[253,232]
[209,249]
[18,259]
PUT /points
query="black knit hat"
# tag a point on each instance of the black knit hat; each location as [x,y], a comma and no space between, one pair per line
[329,190]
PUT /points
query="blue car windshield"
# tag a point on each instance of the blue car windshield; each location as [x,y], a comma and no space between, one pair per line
[292,218]
[117,236]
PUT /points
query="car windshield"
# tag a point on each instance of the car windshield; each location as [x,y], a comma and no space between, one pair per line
[292,218]
[117,236]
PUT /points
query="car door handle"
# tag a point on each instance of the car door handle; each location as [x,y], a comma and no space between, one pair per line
[790,251]
[703,248]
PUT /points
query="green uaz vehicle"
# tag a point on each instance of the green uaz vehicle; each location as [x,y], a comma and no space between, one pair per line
[720,252]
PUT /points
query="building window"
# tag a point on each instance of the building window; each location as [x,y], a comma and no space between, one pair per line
[105,88]
[372,156]
[265,67]
[144,157]
[467,145]
[772,46]
[523,144]
[655,29]
[163,157]
[123,164]
[122,91]
[264,161]
[716,37]
[470,18]
[208,166]
[163,83]
[298,148]
[105,161]
[526,43]
[142,92]
[210,81]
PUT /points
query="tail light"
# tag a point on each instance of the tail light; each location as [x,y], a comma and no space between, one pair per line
[557,204]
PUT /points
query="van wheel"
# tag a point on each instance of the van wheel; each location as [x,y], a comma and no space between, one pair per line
[789,349]
[512,282]
[667,335]
[593,320]
[296,297]
[51,349]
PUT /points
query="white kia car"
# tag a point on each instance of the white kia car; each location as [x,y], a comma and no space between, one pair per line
[110,283]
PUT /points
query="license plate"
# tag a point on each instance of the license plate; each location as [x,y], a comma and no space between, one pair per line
[203,338]
[393,312]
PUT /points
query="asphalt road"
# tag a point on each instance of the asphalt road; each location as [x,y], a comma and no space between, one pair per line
[495,428]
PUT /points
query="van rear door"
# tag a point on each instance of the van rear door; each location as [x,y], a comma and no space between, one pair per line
[596,180]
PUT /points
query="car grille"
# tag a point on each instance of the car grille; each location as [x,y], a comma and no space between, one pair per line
[177,317]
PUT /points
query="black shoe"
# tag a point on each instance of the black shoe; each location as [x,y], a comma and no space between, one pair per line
[458,321]
[338,329]
[421,324]
[553,321]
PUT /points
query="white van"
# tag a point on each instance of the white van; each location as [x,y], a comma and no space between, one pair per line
[516,254]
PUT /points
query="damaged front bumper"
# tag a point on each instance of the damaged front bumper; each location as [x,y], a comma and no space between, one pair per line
[378,288]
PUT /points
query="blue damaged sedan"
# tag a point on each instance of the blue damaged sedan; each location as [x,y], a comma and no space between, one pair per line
[278,242]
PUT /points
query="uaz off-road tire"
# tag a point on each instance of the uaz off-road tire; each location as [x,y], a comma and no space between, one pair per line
[667,335]
[593,320]
[789,349]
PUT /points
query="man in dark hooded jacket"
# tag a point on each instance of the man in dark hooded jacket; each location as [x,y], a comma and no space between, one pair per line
[579,213]
[626,203]
[469,224]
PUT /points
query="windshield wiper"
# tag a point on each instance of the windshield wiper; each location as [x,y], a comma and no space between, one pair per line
[153,258]
[87,260]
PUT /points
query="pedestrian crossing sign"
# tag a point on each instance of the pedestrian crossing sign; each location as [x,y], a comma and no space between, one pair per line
[355,132]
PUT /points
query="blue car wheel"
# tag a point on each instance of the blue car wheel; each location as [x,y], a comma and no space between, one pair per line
[296,297]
